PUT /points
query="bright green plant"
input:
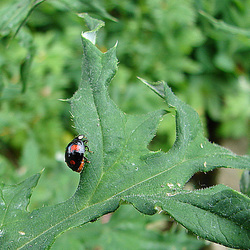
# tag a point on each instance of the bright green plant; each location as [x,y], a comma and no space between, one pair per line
[122,168]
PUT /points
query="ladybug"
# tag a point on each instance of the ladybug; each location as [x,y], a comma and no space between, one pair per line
[74,153]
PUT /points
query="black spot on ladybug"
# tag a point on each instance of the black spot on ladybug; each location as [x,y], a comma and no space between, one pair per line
[74,153]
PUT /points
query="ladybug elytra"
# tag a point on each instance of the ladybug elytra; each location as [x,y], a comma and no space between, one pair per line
[74,153]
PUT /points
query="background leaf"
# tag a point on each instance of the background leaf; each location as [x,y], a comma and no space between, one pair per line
[93,6]
[15,15]
[245,183]
[226,27]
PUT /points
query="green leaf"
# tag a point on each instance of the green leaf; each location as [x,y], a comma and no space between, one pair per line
[218,214]
[26,40]
[122,168]
[221,25]
[93,24]
[87,6]
[14,15]
[13,207]
[245,183]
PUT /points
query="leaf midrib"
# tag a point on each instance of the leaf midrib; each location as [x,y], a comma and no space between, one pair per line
[101,126]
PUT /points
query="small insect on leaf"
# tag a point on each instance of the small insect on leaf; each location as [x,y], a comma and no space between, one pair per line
[74,153]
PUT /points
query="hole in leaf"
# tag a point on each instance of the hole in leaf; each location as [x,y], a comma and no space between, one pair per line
[225,176]
[165,135]
[202,180]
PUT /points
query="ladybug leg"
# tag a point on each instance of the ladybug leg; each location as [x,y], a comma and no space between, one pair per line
[86,159]
[88,149]
[85,140]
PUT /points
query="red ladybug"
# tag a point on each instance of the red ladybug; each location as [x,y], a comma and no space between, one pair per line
[74,153]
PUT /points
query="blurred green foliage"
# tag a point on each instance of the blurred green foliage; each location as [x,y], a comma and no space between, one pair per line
[201,48]
[205,62]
